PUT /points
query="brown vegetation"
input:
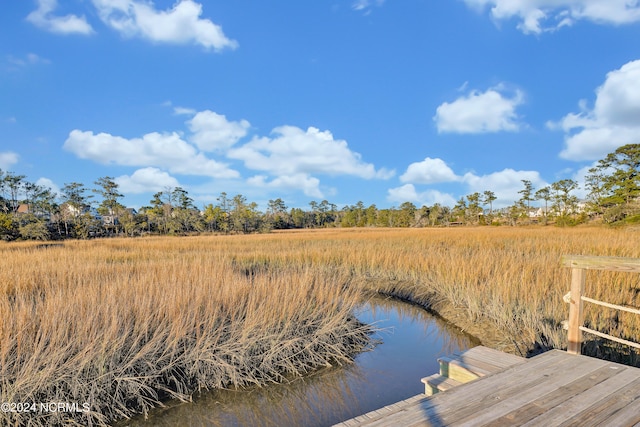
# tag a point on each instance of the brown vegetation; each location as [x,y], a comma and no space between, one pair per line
[122,324]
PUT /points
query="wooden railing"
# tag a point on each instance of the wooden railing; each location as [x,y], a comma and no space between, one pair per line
[579,265]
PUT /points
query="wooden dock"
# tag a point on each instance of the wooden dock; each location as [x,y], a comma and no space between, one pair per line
[484,387]
[471,364]
[552,389]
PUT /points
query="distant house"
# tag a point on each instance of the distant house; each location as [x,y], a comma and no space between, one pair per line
[112,219]
[536,213]
[109,219]
[67,209]
[24,208]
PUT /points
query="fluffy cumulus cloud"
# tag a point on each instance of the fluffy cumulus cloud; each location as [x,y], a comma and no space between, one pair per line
[152,150]
[536,16]
[47,183]
[429,171]
[429,197]
[611,123]
[505,184]
[293,151]
[182,24]
[213,132]
[291,159]
[8,159]
[146,180]
[309,185]
[480,112]
[45,18]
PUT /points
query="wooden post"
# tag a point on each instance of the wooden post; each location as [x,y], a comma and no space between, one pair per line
[576,314]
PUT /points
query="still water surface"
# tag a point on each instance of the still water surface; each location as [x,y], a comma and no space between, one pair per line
[412,340]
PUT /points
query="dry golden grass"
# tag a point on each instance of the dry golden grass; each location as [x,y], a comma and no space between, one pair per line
[123,323]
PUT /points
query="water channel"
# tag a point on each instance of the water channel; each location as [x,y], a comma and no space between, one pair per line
[412,340]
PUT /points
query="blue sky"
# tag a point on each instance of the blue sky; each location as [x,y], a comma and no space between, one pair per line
[375,101]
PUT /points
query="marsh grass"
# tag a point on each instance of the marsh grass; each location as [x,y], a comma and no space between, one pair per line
[125,323]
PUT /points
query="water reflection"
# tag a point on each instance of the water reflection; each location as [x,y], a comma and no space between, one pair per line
[412,340]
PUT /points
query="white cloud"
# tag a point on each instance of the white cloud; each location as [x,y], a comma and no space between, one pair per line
[505,184]
[309,185]
[182,111]
[28,59]
[579,176]
[153,149]
[408,193]
[480,112]
[366,5]
[8,159]
[429,171]
[212,131]
[295,151]
[146,180]
[613,121]
[47,183]
[69,24]
[536,16]
[180,25]
[290,159]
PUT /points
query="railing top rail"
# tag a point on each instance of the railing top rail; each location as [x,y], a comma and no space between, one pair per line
[612,263]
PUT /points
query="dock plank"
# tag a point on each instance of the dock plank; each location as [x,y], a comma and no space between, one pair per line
[626,416]
[612,407]
[465,399]
[546,402]
[492,390]
[561,387]
[581,405]
[493,357]
[551,389]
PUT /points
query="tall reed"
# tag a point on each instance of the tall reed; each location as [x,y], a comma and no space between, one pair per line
[123,324]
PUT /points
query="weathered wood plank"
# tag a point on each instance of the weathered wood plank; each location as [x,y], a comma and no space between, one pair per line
[602,263]
[576,311]
[627,416]
[493,357]
[583,401]
[436,383]
[499,404]
[491,360]
[474,364]
[544,403]
[490,390]
[467,398]
[554,388]
[540,402]
[459,370]
[383,413]
[612,407]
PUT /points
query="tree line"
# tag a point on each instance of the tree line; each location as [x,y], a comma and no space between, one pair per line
[31,211]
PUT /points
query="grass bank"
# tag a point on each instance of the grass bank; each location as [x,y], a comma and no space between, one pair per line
[504,285]
[122,324]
